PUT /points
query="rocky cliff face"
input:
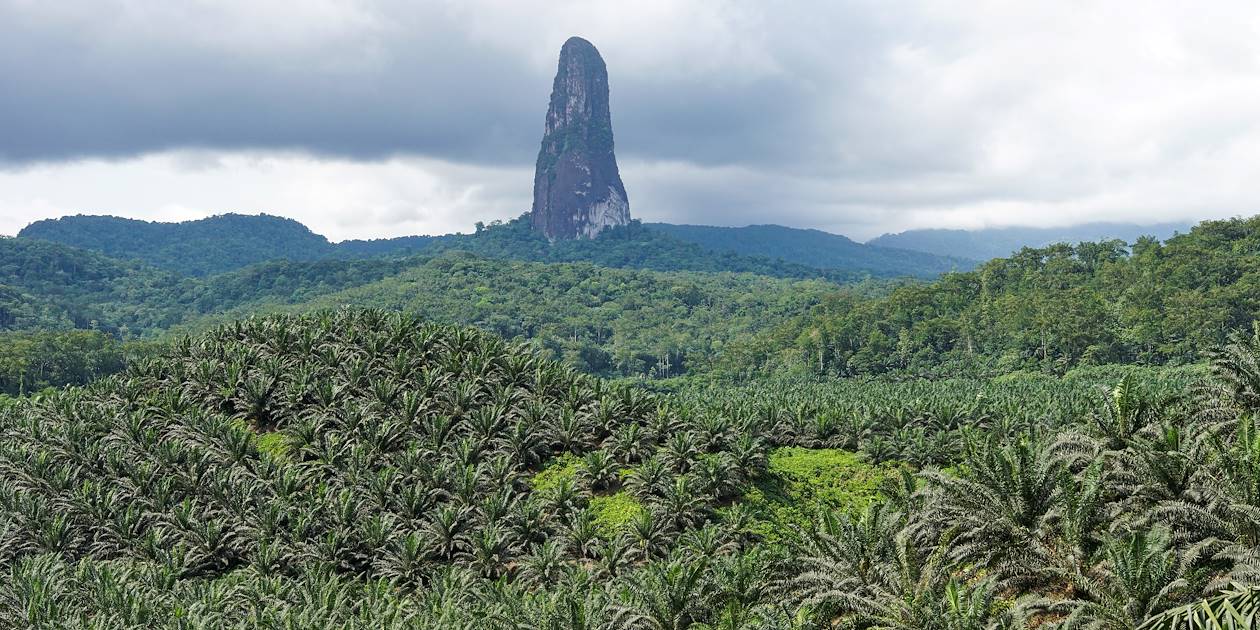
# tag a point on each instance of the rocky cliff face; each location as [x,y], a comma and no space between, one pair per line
[577,189]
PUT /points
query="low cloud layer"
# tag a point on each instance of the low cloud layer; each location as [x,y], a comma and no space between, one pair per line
[381,118]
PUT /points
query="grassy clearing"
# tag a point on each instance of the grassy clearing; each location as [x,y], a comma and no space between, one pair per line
[800,481]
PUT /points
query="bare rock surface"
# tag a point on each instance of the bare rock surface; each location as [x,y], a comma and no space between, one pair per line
[577,188]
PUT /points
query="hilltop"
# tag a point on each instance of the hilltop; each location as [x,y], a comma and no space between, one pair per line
[817,249]
[989,243]
[223,243]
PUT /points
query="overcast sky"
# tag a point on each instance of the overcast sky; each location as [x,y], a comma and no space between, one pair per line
[382,118]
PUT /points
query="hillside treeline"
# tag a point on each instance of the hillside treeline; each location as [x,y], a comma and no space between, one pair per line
[1047,309]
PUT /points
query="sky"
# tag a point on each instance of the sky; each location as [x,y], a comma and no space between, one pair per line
[380,118]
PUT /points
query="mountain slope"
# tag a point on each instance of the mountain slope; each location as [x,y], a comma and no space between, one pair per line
[232,241]
[616,322]
[815,248]
[612,322]
[50,286]
[1048,309]
[632,246]
[192,248]
[998,242]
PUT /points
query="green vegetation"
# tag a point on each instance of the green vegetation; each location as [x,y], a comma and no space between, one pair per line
[815,248]
[418,476]
[615,512]
[192,248]
[557,472]
[1046,309]
[229,242]
[403,463]
[610,322]
[274,444]
[1038,443]
[989,243]
[1049,311]
[48,286]
[30,362]
[802,483]
[606,321]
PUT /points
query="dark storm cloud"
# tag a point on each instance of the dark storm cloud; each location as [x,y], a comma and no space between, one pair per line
[412,80]
[859,116]
[67,91]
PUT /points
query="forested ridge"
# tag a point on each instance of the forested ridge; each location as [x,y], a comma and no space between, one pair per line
[987,243]
[227,242]
[816,248]
[197,248]
[1043,310]
[616,322]
[1047,309]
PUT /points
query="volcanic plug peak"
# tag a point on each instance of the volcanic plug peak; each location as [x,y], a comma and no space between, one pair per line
[577,188]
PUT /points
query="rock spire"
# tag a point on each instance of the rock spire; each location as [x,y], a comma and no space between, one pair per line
[577,189]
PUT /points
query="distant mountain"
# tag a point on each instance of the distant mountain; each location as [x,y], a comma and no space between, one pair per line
[192,248]
[632,246]
[816,248]
[999,242]
[229,242]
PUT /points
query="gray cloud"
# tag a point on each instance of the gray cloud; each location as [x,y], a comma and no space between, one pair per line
[855,116]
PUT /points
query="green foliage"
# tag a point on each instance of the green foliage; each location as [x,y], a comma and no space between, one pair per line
[32,361]
[815,248]
[49,286]
[828,478]
[274,444]
[801,483]
[1048,310]
[400,468]
[614,512]
[192,248]
[604,321]
[363,468]
[560,470]
[628,247]
[412,475]
[1234,609]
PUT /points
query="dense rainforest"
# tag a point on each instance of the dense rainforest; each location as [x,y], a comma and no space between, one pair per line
[987,243]
[1047,309]
[224,243]
[616,322]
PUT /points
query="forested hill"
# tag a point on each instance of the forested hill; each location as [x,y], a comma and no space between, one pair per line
[628,247]
[816,248]
[194,248]
[64,311]
[50,286]
[1000,242]
[232,241]
[1046,309]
